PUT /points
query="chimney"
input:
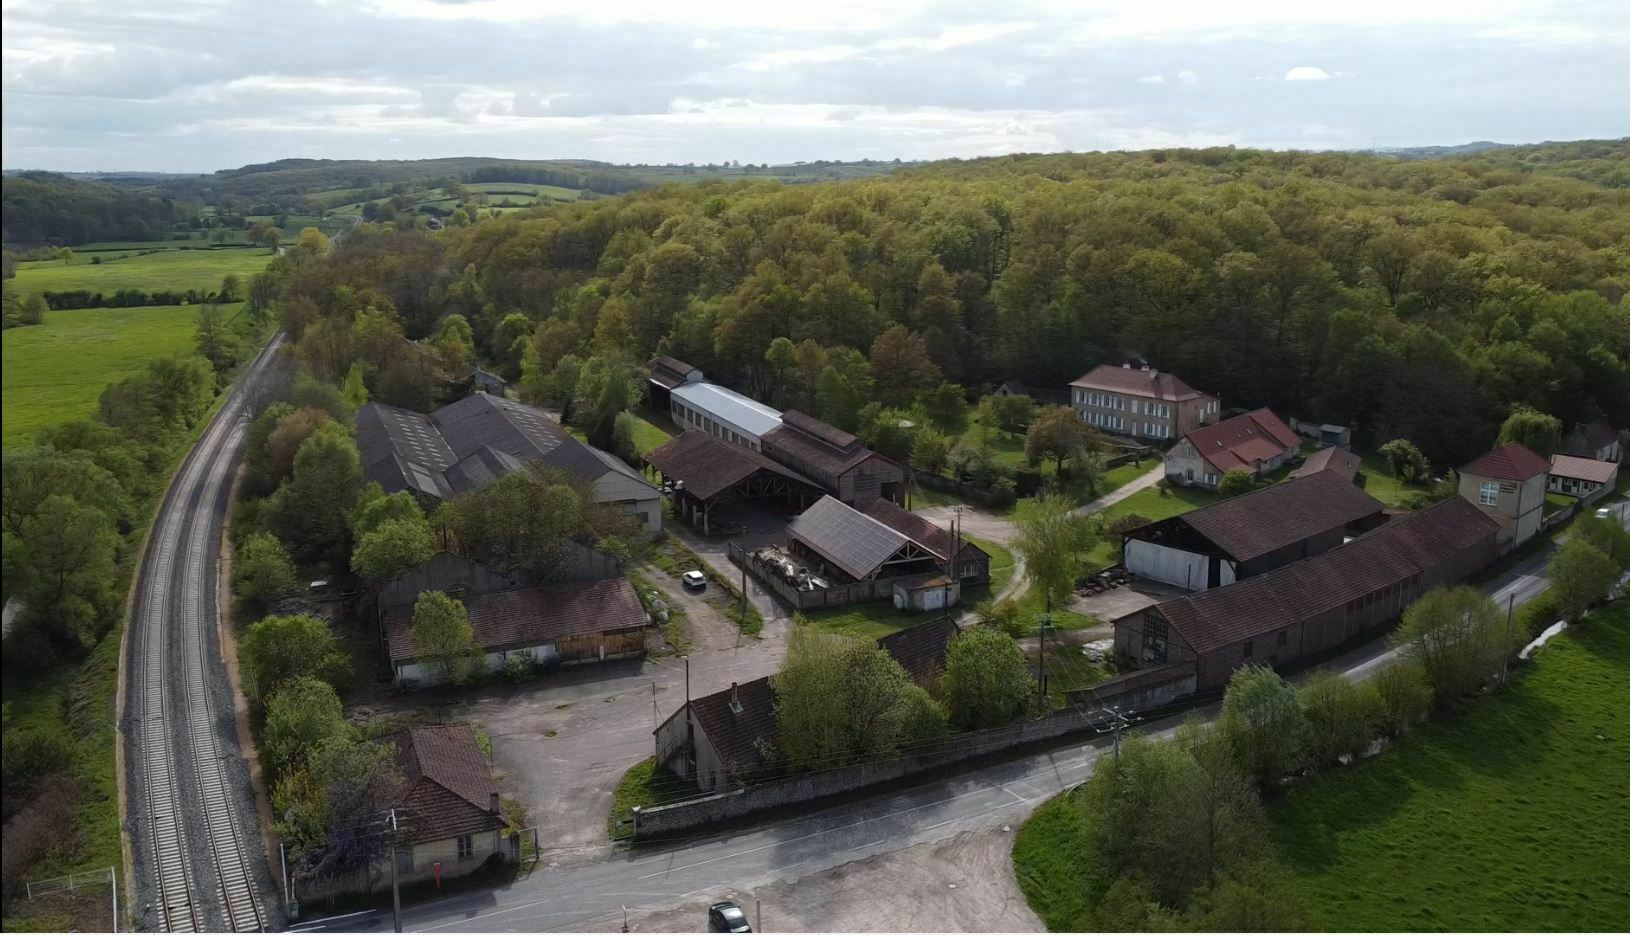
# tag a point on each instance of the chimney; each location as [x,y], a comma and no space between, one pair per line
[495,806]
[1153,374]
[1145,367]
[735,699]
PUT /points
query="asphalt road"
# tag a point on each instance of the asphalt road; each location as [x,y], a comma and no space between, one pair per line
[591,897]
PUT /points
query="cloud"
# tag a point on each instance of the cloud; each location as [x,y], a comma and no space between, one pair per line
[190,84]
[1307,73]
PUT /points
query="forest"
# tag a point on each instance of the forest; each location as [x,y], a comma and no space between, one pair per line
[42,207]
[1421,299]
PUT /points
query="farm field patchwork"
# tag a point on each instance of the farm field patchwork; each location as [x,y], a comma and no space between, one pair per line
[168,270]
[1512,815]
[55,372]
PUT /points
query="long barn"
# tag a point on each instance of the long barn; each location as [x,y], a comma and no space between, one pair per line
[1308,608]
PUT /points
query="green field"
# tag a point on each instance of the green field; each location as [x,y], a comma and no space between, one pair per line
[169,270]
[650,434]
[1513,816]
[1380,484]
[55,372]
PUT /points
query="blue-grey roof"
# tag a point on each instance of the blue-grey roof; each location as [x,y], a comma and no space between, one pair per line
[846,537]
[749,415]
[468,444]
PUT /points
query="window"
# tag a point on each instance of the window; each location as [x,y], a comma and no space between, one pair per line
[1489,494]
[466,847]
[1134,407]
[1154,639]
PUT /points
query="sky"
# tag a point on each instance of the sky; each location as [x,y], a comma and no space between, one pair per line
[199,85]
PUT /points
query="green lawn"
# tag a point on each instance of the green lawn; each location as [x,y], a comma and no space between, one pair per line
[1056,868]
[176,270]
[1512,816]
[1153,503]
[649,435]
[55,372]
[1557,501]
[1380,484]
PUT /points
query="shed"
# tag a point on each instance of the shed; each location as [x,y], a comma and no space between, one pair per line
[699,472]
[666,375]
[1337,460]
[931,591]
[836,459]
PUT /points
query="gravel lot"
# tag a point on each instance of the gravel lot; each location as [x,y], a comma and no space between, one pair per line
[961,884]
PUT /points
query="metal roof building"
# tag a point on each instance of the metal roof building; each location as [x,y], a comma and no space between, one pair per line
[723,413]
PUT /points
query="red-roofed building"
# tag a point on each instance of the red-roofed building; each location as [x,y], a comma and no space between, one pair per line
[1508,484]
[1140,402]
[448,808]
[1257,442]
[1310,608]
[1581,477]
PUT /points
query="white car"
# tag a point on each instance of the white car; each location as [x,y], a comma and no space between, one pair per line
[694,579]
[1604,513]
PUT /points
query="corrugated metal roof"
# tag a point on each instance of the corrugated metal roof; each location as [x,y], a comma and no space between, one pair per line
[747,414]
[846,537]
[1585,469]
[1263,521]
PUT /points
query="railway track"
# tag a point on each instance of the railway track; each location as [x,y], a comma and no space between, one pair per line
[201,861]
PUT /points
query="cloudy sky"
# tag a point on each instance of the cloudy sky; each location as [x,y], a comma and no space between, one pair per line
[197,85]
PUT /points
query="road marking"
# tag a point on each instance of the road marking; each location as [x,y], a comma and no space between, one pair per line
[488,915]
[860,847]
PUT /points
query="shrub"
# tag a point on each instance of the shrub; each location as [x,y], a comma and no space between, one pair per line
[1002,494]
[261,570]
[277,649]
[1235,481]
[987,679]
[1405,693]
[1343,716]
[31,755]
[1263,722]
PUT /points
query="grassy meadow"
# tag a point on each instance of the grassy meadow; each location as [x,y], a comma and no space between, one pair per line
[1513,815]
[172,270]
[55,372]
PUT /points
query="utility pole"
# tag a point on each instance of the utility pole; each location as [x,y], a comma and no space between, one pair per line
[1505,651]
[1041,658]
[758,916]
[742,623]
[1118,721]
[396,891]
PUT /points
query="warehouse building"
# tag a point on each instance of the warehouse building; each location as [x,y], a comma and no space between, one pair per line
[839,461]
[1253,533]
[1307,609]
[723,413]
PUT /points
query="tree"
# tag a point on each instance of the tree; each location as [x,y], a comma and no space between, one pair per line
[1058,433]
[1264,723]
[391,548]
[1014,412]
[901,366]
[987,679]
[63,564]
[840,700]
[1610,538]
[231,288]
[930,450]
[309,511]
[1536,430]
[443,638]
[1581,577]
[33,310]
[1405,461]
[214,342]
[287,437]
[303,713]
[520,521]
[351,785]
[269,237]
[1343,716]
[312,243]
[780,359]
[1458,636]
[1235,481]
[1054,540]
[1405,693]
[947,406]
[276,649]
[261,569]
[355,389]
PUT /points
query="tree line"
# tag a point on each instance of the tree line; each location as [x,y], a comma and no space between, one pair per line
[44,207]
[1421,300]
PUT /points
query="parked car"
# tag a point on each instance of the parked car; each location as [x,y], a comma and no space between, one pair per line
[694,579]
[726,916]
[1604,513]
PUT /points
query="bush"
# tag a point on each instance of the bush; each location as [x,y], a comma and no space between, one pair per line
[1264,724]
[31,755]
[277,649]
[261,570]
[1235,481]
[1343,716]
[1405,693]
[987,679]
[519,666]
[1002,494]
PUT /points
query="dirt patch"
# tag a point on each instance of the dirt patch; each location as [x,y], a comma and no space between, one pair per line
[706,626]
[961,884]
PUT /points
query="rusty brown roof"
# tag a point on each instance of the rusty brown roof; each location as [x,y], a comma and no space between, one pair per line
[1262,521]
[529,616]
[808,441]
[921,649]
[1337,460]
[447,786]
[709,467]
[1136,381]
[935,539]
[669,372]
[1512,461]
[1244,440]
[740,724]
[1409,545]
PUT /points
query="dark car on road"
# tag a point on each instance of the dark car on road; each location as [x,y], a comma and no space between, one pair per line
[727,917]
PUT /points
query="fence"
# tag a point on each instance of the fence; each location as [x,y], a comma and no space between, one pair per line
[1155,688]
[78,884]
[799,599]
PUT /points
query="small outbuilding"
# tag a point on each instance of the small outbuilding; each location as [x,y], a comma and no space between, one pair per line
[1580,477]
[1340,461]
[932,591]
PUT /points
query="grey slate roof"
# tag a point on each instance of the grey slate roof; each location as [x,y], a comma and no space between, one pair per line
[468,444]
